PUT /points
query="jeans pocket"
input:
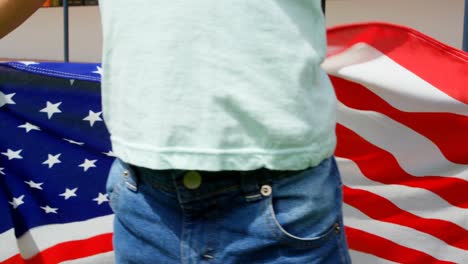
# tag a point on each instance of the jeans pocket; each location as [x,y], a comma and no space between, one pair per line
[304,210]
[321,233]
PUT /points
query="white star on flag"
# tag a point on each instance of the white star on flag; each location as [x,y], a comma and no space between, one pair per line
[29,127]
[51,109]
[1,171]
[52,160]
[98,70]
[110,153]
[17,201]
[87,164]
[27,63]
[6,99]
[101,198]
[74,142]
[93,117]
[47,209]
[35,185]
[13,154]
[69,193]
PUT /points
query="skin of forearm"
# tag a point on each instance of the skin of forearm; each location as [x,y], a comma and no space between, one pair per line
[14,12]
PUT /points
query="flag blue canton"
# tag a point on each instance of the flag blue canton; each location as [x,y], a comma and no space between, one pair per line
[55,148]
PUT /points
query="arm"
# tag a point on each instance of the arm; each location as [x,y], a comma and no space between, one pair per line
[14,12]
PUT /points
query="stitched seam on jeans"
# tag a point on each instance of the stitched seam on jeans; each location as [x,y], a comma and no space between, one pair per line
[292,240]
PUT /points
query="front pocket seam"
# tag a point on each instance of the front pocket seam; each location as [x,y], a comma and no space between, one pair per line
[284,236]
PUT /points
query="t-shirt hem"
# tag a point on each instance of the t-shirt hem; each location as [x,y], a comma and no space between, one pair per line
[219,160]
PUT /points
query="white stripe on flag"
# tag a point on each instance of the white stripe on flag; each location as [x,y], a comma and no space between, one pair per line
[43,237]
[8,247]
[395,84]
[363,258]
[394,137]
[400,234]
[417,201]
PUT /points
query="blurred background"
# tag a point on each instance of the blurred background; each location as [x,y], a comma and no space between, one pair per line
[41,37]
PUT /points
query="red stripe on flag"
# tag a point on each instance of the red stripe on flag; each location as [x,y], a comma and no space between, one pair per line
[381,166]
[378,246]
[68,251]
[439,64]
[446,134]
[381,209]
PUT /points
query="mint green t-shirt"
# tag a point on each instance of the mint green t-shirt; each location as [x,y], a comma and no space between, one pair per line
[217,84]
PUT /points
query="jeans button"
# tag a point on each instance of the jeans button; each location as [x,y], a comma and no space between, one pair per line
[192,180]
[266,190]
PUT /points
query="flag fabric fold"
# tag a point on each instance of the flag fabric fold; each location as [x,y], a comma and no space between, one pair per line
[402,143]
[54,158]
[402,152]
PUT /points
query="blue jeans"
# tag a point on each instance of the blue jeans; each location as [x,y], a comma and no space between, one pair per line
[259,216]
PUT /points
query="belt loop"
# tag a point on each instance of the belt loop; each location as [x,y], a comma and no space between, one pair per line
[249,186]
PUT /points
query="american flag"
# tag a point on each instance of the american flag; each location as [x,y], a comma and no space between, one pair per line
[402,151]
[54,157]
[402,143]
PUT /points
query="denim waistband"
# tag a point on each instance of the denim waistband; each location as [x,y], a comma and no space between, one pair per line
[172,181]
